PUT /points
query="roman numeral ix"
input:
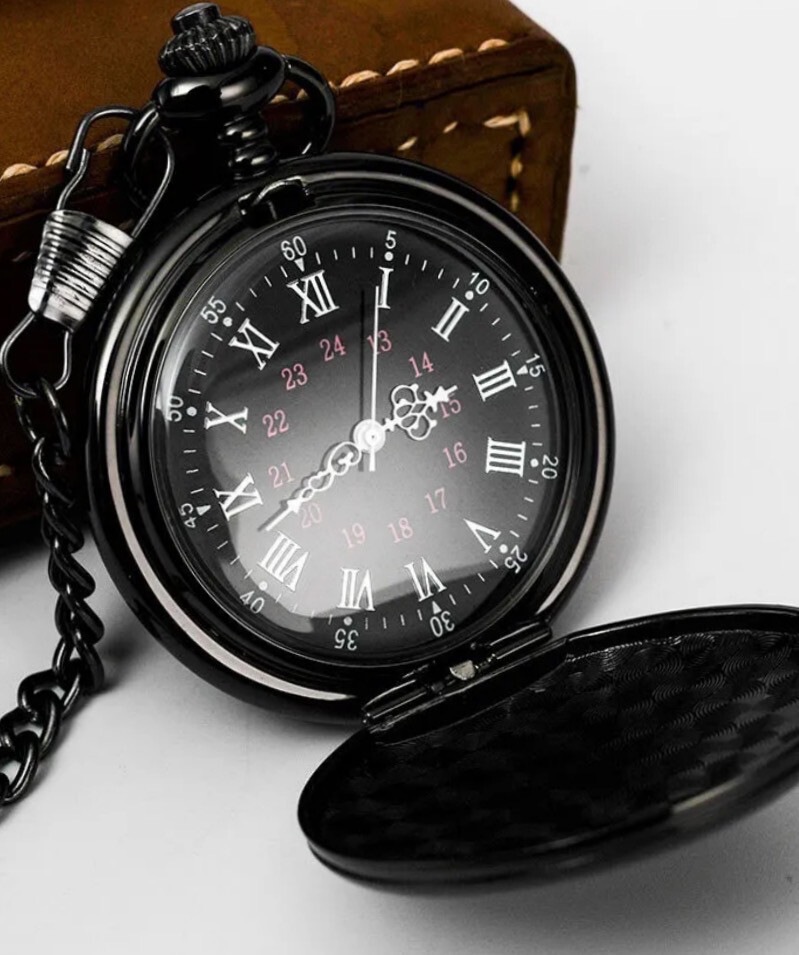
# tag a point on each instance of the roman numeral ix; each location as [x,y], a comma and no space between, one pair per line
[244,496]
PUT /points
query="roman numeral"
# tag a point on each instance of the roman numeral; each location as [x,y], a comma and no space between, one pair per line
[238,419]
[450,318]
[495,380]
[285,561]
[249,341]
[485,535]
[424,583]
[356,594]
[505,456]
[315,294]
[244,496]
[382,301]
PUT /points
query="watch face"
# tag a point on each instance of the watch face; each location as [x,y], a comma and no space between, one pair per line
[358,434]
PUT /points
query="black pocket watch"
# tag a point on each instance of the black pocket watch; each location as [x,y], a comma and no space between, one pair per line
[348,446]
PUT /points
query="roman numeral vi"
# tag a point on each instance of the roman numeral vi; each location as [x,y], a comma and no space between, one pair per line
[425,581]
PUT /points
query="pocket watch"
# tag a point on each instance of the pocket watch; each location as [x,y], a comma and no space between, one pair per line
[348,445]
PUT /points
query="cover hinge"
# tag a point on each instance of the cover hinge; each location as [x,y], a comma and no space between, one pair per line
[439,679]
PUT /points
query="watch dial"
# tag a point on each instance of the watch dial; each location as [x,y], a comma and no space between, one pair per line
[357,435]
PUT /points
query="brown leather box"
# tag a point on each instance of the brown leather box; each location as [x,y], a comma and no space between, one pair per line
[474,88]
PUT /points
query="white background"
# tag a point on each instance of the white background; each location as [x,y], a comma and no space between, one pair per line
[166,821]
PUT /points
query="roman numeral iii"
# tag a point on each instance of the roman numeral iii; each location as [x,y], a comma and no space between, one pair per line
[424,580]
[214,417]
[449,320]
[494,380]
[505,457]
[356,590]
[285,561]
[251,339]
[315,295]
[238,500]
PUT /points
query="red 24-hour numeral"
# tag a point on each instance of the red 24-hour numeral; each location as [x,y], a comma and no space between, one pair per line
[280,474]
[295,376]
[450,408]
[455,455]
[310,514]
[421,365]
[354,535]
[383,341]
[437,501]
[401,530]
[332,347]
[275,423]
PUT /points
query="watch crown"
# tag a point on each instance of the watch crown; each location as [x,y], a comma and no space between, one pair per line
[205,42]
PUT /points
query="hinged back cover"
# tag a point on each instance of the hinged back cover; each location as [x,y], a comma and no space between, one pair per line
[641,733]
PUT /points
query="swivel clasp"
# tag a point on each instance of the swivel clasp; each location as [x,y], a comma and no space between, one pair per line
[77,254]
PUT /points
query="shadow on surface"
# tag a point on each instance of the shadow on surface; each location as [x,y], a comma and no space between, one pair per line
[715,887]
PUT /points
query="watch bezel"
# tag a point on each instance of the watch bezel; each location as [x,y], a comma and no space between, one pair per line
[134,539]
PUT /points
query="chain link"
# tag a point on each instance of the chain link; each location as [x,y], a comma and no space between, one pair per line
[77,256]
[29,731]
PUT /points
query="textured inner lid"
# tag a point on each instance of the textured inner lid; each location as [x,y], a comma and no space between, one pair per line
[644,732]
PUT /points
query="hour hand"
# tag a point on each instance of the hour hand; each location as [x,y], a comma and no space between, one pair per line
[413,412]
[291,506]
[340,459]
